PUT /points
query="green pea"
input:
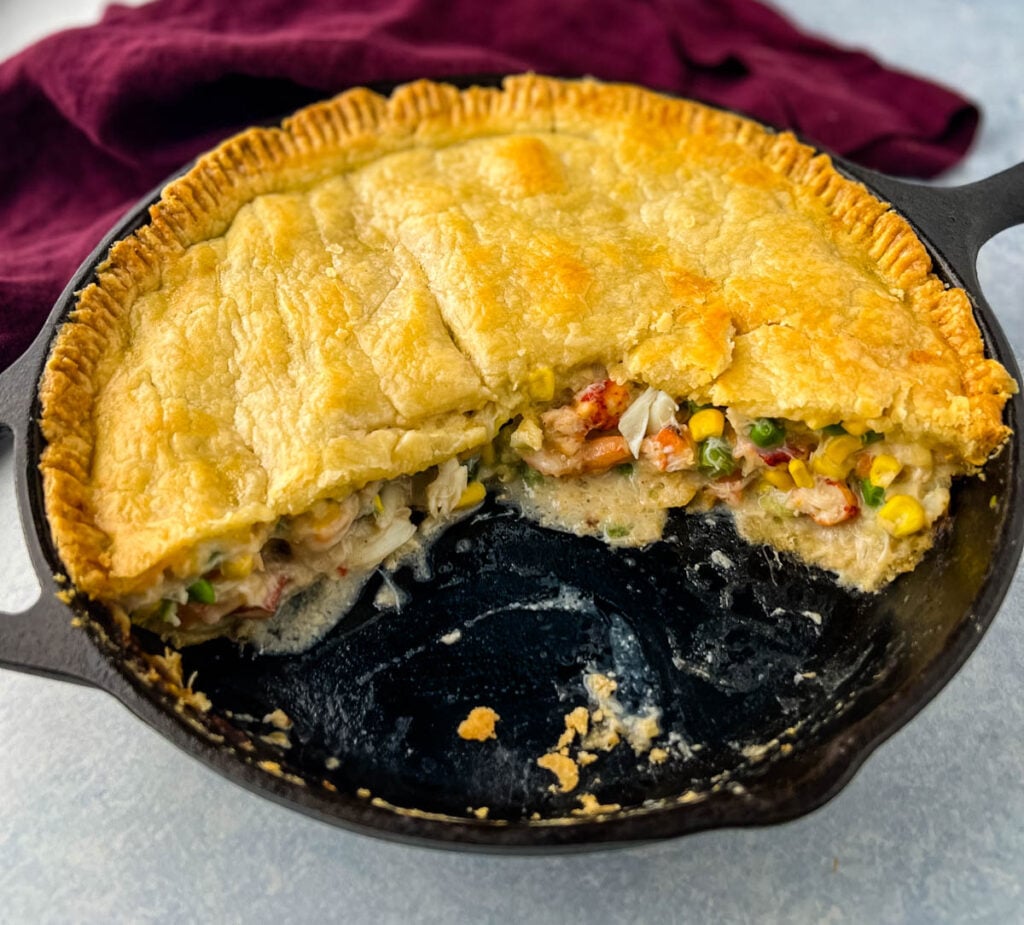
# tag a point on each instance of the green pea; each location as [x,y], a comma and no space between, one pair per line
[873,495]
[767,432]
[201,592]
[714,456]
[531,476]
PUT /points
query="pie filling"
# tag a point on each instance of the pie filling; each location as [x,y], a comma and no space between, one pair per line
[609,460]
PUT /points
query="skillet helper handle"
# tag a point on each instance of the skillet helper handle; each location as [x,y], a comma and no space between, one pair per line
[42,639]
[960,219]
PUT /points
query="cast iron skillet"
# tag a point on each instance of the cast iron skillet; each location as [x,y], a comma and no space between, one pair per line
[773,685]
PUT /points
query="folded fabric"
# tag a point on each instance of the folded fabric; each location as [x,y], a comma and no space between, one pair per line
[96,117]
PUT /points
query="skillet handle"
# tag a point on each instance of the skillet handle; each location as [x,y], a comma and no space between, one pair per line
[40,640]
[958,220]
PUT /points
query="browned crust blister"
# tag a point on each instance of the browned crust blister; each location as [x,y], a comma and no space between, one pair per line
[359,126]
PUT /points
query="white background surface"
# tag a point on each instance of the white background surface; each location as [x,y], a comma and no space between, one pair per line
[101,820]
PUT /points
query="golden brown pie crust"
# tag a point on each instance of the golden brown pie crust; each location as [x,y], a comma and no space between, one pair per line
[367,290]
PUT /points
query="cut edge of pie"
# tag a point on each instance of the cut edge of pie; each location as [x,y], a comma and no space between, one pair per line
[360,127]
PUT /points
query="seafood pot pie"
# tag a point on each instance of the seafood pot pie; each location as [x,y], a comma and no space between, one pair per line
[333,337]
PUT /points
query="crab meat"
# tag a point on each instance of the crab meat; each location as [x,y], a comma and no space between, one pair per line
[564,430]
[728,490]
[671,449]
[828,503]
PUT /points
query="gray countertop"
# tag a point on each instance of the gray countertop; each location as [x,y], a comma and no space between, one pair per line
[102,820]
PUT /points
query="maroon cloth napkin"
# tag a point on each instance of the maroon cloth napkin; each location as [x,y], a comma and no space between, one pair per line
[93,118]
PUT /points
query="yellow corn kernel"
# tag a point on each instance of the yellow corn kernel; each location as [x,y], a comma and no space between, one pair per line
[834,458]
[541,383]
[527,436]
[801,475]
[902,515]
[708,422]
[378,504]
[473,493]
[237,567]
[778,478]
[824,466]
[856,428]
[840,449]
[884,469]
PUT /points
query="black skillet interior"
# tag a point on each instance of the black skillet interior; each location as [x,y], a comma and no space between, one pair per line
[771,684]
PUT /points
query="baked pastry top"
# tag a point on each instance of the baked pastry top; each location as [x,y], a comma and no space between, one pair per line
[378,286]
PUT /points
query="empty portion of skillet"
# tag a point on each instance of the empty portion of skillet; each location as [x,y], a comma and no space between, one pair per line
[742,655]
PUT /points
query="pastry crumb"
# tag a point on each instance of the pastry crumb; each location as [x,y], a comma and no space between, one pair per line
[591,807]
[277,738]
[601,686]
[599,728]
[577,722]
[279,719]
[610,722]
[479,725]
[564,768]
[166,668]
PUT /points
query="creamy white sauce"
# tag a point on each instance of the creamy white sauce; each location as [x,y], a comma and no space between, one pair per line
[389,596]
[311,614]
[622,509]
[304,618]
